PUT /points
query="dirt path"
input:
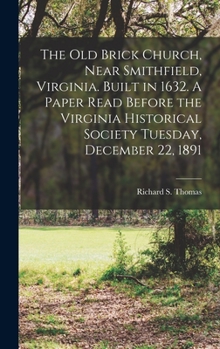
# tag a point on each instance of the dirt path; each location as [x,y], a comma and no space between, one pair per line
[84,319]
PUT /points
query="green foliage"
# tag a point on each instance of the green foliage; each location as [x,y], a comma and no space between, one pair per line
[111,273]
[162,259]
[201,250]
[122,259]
[85,217]
[77,272]
[121,252]
[81,21]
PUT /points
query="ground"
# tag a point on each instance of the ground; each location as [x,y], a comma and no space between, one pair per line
[105,317]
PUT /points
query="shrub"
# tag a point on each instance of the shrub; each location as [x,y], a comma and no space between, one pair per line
[122,259]
[201,250]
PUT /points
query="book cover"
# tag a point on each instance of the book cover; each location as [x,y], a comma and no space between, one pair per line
[119,116]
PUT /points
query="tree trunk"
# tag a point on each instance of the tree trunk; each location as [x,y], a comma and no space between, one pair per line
[212,222]
[38,17]
[117,14]
[94,192]
[179,219]
[101,18]
[95,213]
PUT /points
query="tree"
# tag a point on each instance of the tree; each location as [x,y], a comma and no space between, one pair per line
[117,18]
[178,219]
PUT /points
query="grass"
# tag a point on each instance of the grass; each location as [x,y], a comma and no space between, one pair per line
[50,331]
[75,253]
[49,319]
[169,297]
[35,344]
[56,261]
[52,244]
